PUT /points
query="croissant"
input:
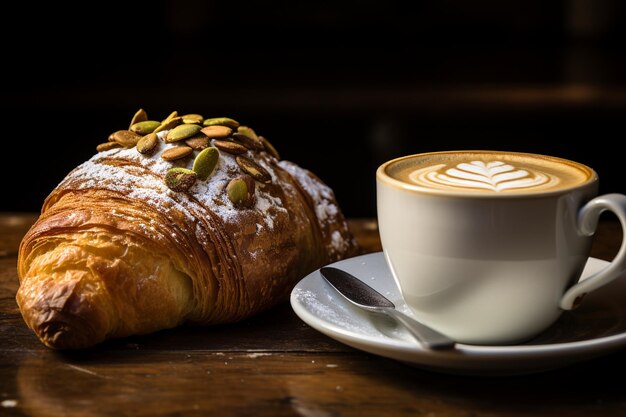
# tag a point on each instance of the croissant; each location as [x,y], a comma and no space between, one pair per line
[183,221]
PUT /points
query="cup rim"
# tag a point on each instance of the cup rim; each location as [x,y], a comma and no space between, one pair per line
[383,177]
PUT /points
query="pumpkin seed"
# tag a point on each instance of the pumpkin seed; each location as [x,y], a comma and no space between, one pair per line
[140,116]
[180,179]
[169,122]
[241,190]
[193,118]
[245,141]
[230,147]
[171,116]
[198,141]
[182,132]
[148,143]
[217,132]
[177,152]
[205,162]
[107,145]
[126,138]
[145,127]
[222,121]
[269,147]
[251,135]
[255,170]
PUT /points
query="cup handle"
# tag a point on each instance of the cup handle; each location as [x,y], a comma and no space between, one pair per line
[587,222]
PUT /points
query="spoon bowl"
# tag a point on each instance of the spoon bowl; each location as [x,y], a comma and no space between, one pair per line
[366,297]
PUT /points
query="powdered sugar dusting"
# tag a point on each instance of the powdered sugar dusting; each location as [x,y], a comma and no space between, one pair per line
[125,177]
[326,209]
[211,193]
[338,242]
[322,195]
[265,202]
[137,176]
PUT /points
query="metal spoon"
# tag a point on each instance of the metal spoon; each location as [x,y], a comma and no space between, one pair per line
[364,296]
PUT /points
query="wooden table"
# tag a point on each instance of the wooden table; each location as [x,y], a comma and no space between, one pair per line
[272,365]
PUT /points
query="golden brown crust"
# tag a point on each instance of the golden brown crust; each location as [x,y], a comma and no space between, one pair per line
[116,253]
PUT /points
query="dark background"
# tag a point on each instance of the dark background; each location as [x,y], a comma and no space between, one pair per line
[338,87]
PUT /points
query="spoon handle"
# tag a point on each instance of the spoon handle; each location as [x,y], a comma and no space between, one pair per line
[428,337]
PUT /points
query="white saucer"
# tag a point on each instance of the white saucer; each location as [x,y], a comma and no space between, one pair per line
[596,328]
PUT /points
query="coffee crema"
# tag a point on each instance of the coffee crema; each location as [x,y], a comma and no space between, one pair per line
[488,172]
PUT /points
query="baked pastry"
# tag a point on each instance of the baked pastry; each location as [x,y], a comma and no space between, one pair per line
[185,220]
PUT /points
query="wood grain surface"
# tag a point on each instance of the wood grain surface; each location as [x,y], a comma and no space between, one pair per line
[271,365]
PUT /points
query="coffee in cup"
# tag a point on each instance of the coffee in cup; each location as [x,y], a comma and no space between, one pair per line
[488,246]
[488,172]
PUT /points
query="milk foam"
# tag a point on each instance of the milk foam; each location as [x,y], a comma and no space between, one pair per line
[494,175]
[487,172]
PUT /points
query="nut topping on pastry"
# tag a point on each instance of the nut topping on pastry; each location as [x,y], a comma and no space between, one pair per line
[166,226]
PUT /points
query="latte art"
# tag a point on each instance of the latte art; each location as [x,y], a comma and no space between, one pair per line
[494,175]
[484,172]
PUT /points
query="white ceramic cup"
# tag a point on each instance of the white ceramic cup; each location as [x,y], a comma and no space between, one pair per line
[492,267]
